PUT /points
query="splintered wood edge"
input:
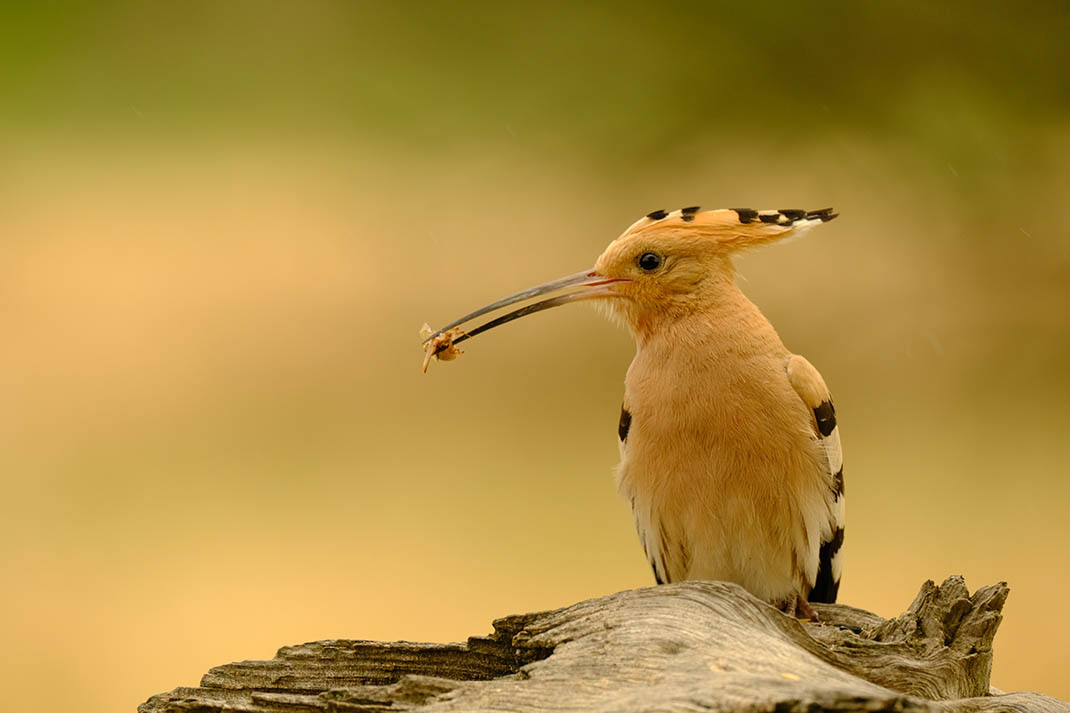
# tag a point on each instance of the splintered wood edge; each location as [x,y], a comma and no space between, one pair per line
[667,648]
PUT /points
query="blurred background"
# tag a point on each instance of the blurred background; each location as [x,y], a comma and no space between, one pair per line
[222,225]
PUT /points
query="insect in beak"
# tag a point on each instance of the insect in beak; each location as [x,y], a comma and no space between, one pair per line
[588,284]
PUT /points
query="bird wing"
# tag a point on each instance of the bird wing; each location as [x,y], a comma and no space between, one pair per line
[651,549]
[811,388]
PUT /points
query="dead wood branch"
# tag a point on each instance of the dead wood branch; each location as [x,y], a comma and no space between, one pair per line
[682,647]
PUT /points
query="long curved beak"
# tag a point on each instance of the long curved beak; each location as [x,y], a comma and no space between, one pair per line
[589,283]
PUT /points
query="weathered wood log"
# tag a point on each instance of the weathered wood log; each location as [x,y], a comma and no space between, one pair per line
[680,647]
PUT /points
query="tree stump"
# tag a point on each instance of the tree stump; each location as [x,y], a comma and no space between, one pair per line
[679,647]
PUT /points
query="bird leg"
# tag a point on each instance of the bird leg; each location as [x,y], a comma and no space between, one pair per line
[798,607]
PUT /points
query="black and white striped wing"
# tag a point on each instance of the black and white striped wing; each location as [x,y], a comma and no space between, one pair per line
[811,388]
[642,524]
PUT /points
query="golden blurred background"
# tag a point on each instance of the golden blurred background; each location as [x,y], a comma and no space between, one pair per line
[222,224]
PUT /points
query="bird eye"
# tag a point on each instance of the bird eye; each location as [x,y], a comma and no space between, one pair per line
[650,261]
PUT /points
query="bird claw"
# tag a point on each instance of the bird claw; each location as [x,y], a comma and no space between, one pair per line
[798,607]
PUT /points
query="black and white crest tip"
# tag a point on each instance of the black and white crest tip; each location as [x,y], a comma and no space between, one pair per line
[785,216]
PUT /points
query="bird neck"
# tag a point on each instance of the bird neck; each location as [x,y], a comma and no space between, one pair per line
[723,324]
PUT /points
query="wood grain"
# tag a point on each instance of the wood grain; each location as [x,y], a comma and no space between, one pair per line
[692,646]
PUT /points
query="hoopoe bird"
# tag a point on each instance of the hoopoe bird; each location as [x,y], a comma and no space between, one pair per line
[729,451]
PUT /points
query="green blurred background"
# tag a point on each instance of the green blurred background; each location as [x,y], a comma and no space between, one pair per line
[222,224]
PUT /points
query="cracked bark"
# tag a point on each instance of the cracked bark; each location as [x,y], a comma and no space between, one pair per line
[681,647]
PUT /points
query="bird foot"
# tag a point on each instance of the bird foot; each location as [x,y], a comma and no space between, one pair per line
[798,607]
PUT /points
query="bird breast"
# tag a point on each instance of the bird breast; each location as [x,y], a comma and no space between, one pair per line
[719,460]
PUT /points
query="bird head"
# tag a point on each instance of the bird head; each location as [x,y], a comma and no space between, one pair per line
[662,267]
